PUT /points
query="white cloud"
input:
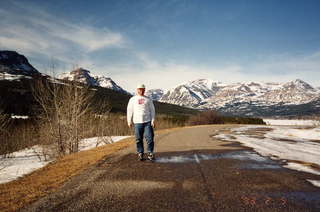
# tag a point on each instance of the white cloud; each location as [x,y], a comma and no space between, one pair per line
[32,31]
[287,67]
[166,75]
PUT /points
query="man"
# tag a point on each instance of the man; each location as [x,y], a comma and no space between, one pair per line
[141,111]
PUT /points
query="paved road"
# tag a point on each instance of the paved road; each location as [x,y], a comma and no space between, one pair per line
[193,172]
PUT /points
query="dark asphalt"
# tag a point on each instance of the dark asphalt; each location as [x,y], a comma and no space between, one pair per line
[193,172]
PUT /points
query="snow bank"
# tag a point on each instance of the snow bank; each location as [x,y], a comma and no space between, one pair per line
[20,163]
[315,182]
[90,143]
[291,122]
[30,159]
[301,151]
[283,143]
[295,134]
[300,167]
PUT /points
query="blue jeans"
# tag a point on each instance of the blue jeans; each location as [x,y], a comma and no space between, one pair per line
[146,130]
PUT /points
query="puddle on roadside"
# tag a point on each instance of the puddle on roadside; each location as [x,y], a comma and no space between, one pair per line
[256,161]
[259,166]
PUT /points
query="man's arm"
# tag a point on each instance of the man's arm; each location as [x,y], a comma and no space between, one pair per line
[130,112]
[152,112]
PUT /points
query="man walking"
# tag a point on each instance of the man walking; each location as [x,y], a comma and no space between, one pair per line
[141,111]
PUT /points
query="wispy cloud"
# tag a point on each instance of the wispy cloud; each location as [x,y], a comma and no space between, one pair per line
[270,69]
[157,74]
[284,67]
[34,31]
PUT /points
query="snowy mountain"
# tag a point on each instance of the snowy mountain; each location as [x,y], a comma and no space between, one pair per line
[207,94]
[154,94]
[192,93]
[84,76]
[12,63]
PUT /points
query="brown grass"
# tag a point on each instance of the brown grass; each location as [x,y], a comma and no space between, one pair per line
[16,194]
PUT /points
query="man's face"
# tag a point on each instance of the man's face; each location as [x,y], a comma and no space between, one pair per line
[141,91]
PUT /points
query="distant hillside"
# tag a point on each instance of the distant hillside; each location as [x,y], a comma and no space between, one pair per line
[16,98]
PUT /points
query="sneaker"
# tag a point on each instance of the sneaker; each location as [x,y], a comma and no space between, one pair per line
[151,156]
[140,156]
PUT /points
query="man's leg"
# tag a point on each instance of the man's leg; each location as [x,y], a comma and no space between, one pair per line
[149,135]
[138,131]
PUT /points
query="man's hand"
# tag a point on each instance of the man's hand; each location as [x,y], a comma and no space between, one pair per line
[153,124]
[129,125]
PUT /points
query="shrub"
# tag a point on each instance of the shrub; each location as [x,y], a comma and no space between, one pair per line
[205,117]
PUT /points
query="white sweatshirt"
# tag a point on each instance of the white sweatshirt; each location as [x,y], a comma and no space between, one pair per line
[140,109]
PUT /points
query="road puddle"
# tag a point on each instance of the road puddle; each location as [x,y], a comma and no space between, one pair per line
[255,160]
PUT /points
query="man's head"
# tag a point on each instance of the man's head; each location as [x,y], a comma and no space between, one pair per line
[141,88]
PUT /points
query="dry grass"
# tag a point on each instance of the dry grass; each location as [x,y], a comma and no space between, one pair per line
[16,194]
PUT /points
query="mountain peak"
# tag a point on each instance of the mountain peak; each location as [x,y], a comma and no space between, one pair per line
[299,84]
[84,76]
[12,62]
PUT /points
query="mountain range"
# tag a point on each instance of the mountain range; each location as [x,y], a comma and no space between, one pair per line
[250,99]
[84,76]
[244,98]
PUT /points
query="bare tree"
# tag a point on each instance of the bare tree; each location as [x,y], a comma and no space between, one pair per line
[63,108]
[4,134]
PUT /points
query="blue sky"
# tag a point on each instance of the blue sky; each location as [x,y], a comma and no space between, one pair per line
[163,43]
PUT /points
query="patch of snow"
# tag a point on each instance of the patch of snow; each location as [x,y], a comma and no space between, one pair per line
[295,134]
[89,143]
[300,167]
[30,159]
[223,137]
[291,122]
[246,156]
[284,143]
[175,159]
[239,155]
[315,182]
[19,117]
[301,151]
[11,77]
[21,163]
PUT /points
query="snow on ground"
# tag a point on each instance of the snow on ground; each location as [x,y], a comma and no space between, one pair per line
[315,182]
[20,163]
[300,167]
[283,143]
[11,77]
[90,143]
[295,134]
[30,159]
[291,122]
[19,117]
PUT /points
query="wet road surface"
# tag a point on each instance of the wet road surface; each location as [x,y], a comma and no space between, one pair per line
[193,172]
